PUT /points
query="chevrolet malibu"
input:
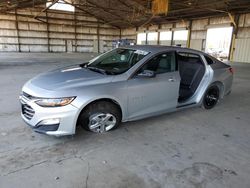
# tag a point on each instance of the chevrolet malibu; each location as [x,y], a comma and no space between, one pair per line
[124,84]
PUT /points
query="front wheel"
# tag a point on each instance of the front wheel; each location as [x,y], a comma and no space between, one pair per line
[100,117]
[211,97]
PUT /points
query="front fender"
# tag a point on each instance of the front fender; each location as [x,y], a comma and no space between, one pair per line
[81,103]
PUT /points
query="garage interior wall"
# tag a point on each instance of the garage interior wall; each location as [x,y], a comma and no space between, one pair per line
[198,30]
[61,31]
[198,34]
[242,41]
[129,34]
[57,32]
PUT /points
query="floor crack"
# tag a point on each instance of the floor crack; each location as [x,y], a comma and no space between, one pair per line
[87,177]
[26,168]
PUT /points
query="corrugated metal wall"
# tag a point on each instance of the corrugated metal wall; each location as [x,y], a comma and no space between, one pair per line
[242,50]
[199,32]
[63,32]
[66,32]
[242,41]
[196,44]
[129,34]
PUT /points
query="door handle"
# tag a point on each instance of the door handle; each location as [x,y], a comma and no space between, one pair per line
[171,80]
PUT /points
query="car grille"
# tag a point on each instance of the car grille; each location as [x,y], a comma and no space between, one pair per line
[27,110]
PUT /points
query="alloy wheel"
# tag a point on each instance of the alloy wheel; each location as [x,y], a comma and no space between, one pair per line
[212,97]
[101,122]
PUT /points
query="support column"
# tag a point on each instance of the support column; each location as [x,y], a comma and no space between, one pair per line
[75,22]
[146,42]
[189,33]
[17,30]
[98,37]
[136,35]
[120,34]
[47,27]
[158,35]
[234,35]
[172,36]
[204,44]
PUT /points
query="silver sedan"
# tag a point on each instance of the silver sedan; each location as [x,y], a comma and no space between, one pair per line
[125,84]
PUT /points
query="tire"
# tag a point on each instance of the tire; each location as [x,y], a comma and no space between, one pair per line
[211,97]
[100,117]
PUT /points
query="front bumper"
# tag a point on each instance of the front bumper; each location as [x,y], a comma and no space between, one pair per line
[65,116]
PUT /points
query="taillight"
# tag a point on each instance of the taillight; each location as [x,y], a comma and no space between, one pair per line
[231,70]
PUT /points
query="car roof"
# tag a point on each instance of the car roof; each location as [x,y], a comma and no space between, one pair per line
[160,48]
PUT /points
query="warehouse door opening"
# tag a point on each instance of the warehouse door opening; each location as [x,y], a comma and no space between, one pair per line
[152,38]
[180,38]
[218,42]
[141,38]
[165,38]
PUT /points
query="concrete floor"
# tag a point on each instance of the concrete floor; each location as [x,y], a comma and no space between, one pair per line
[194,148]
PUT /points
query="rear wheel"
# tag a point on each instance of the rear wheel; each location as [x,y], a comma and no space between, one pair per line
[100,117]
[211,97]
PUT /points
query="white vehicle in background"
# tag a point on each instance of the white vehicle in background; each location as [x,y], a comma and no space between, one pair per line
[223,55]
[218,53]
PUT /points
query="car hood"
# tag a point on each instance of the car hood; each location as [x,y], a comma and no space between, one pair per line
[68,78]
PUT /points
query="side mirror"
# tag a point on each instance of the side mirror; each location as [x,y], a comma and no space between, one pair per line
[147,74]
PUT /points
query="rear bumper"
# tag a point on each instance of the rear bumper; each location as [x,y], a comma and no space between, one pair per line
[56,121]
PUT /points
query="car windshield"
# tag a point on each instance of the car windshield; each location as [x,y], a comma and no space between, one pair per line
[116,61]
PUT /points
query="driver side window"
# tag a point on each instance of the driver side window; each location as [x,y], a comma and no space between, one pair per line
[161,63]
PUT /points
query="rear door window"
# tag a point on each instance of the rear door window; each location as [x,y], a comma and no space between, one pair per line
[209,60]
[189,57]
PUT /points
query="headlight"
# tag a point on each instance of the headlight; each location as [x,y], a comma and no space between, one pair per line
[54,102]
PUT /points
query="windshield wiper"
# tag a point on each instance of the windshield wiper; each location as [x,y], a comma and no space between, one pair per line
[95,69]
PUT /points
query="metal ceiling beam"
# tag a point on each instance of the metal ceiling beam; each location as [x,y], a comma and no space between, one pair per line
[20,4]
[111,13]
[133,13]
[110,8]
[45,9]
[78,6]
